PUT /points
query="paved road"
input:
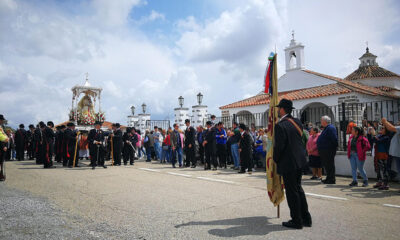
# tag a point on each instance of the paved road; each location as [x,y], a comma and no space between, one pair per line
[154,201]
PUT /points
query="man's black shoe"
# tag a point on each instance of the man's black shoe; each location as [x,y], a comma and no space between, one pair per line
[242,172]
[291,224]
[194,166]
[93,167]
[104,166]
[173,166]
[307,224]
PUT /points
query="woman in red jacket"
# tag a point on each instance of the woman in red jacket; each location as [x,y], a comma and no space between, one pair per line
[357,147]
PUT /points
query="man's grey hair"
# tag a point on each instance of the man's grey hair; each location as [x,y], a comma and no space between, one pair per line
[326,119]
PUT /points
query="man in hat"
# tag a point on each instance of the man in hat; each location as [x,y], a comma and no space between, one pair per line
[20,142]
[96,146]
[190,144]
[245,150]
[45,145]
[210,147]
[59,135]
[117,144]
[127,150]
[70,136]
[50,137]
[290,157]
[29,142]
[3,148]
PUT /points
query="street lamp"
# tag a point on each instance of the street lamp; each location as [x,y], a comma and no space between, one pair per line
[181,100]
[133,110]
[199,98]
[144,107]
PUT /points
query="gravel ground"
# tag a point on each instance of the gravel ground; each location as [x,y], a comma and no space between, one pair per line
[24,216]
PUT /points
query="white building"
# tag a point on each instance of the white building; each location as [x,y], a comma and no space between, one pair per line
[181,114]
[311,90]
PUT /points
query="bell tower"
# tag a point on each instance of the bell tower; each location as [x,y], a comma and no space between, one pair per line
[294,55]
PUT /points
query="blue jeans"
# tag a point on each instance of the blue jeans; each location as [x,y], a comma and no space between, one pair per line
[357,164]
[157,150]
[148,151]
[397,159]
[141,149]
[235,154]
[165,154]
[178,151]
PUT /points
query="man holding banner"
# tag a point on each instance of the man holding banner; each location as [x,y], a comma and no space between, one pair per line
[285,153]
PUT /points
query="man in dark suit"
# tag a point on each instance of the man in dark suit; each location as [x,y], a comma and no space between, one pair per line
[245,150]
[70,136]
[117,144]
[190,144]
[96,146]
[50,136]
[290,157]
[20,142]
[30,142]
[210,146]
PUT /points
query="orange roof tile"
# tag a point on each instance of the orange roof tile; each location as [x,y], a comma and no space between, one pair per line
[340,87]
[370,72]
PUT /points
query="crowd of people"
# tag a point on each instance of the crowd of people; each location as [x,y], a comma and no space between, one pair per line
[213,146]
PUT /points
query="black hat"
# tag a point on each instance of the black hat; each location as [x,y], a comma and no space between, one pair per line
[62,126]
[242,126]
[97,123]
[58,127]
[21,126]
[209,123]
[31,126]
[187,121]
[285,103]
[2,117]
[42,125]
[128,129]
[70,124]
[117,125]
[50,123]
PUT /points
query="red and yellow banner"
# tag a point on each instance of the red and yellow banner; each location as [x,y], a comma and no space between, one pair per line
[274,181]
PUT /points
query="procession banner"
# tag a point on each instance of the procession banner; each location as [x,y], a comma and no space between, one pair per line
[274,181]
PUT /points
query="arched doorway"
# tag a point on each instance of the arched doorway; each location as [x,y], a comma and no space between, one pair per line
[246,117]
[312,113]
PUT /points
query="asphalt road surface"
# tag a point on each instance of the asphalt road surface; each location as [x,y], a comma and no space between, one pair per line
[155,201]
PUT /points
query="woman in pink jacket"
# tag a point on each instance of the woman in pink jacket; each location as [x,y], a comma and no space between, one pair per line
[313,155]
[357,147]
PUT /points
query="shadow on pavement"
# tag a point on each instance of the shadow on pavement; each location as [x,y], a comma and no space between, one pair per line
[361,192]
[239,226]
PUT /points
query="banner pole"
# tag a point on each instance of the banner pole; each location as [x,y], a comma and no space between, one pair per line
[279,211]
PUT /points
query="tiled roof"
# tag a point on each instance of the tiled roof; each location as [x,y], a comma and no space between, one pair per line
[340,87]
[306,93]
[370,72]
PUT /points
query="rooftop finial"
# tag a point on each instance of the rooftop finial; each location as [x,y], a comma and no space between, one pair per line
[292,34]
[87,84]
[367,46]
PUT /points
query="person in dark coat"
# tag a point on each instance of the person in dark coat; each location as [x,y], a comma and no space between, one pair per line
[37,139]
[29,142]
[245,150]
[96,146]
[117,143]
[290,157]
[210,147]
[128,149]
[44,147]
[59,143]
[200,139]
[20,142]
[190,144]
[327,144]
[70,136]
[50,138]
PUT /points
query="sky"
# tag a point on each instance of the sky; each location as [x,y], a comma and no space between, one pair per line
[153,51]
